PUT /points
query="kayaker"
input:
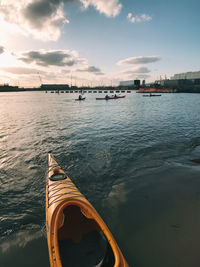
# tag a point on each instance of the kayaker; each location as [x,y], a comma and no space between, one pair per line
[80,97]
[107,97]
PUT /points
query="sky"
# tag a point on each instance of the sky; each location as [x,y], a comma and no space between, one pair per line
[97,42]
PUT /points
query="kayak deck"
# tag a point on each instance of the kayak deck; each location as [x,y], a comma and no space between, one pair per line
[76,234]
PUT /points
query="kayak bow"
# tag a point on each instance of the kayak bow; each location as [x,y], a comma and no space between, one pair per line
[76,234]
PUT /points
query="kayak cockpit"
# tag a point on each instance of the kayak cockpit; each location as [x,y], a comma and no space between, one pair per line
[81,241]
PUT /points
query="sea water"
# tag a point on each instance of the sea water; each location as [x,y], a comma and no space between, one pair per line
[131,158]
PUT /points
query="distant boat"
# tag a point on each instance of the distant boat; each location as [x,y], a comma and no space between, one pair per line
[110,97]
[80,98]
[151,95]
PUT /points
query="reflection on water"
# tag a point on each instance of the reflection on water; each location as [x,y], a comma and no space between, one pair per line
[131,158]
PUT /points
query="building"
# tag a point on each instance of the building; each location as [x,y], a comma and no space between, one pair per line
[134,83]
[9,88]
[126,83]
[186,75]
[137,83]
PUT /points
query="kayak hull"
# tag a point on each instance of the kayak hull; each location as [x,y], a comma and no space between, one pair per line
[70,218]
[109,98]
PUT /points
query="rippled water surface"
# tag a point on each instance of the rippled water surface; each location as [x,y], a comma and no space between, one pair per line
[130,157]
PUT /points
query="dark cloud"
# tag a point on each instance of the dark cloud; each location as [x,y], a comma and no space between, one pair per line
[1,50]
[138,60]
[49,58]
[91,69]
[37,12]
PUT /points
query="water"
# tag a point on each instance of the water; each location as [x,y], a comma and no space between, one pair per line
[130,157]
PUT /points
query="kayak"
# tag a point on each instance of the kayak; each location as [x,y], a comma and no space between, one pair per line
[80,99]
[110,97]
[151,95]
[76,234]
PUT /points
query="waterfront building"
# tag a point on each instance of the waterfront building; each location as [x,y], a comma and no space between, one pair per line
[9,88]
[137,82]
[130,83]
[126,83]
[186,75]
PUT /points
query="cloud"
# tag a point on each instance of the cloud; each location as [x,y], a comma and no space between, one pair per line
[19,70]
[138,60]
[1,50]
[110,8]
[41,11]
[91,69]
[138,18]
[136,70]
[41,18]
[58,58]
[44,19]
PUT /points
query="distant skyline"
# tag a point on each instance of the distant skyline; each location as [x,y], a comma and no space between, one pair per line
[97,42]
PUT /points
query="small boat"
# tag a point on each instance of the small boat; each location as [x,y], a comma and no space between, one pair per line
[152,95]
[110,97]
[76,234]
[80,99]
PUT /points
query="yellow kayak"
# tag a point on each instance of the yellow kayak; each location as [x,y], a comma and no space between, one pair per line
[76,234]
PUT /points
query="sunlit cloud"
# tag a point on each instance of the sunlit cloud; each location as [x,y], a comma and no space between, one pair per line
[138,18]
[30,68]
[139,60]
[41,18]
[110,8]
[44,19]
[19,70]
[7,59]
[138,72]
